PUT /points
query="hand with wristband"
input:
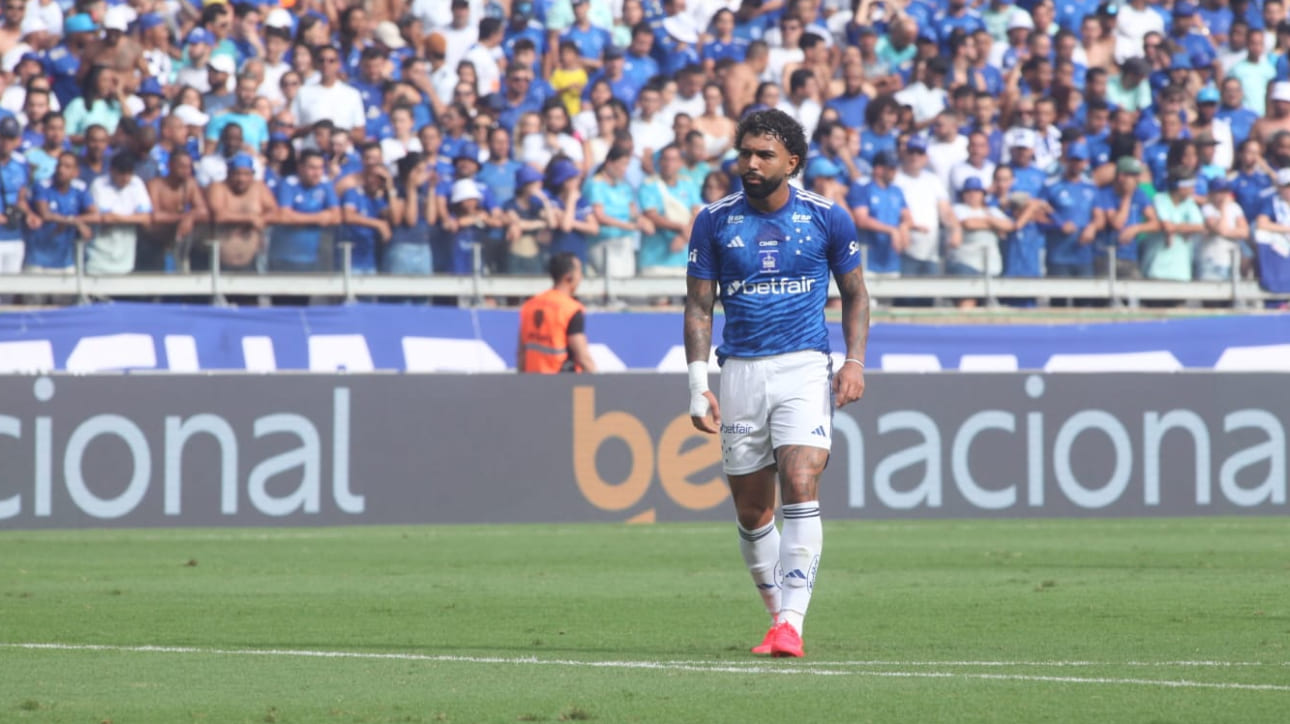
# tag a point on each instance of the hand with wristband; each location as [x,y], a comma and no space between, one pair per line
[705,413]
[848,381]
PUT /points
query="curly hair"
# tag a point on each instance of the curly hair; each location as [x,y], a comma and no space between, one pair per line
[779,125]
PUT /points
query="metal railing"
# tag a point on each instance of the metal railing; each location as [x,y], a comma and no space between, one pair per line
[474,288]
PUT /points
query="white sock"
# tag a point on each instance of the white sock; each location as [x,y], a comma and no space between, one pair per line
[760,549]
[799,555]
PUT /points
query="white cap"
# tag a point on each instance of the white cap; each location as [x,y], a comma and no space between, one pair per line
[387,34]
[680,29]
[117,17]
[278,18]
[1283,177]
[1020,138]
[1020,19]
[222,63]
[190,116]
[1281,91]
[464,189]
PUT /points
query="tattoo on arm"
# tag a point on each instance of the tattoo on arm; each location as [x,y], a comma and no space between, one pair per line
[700,296]
[855,312]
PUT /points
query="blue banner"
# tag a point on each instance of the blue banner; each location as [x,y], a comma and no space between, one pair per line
[365,337]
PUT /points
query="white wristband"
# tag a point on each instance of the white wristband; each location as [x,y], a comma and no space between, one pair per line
[699,405]
[698,376]
[853,359]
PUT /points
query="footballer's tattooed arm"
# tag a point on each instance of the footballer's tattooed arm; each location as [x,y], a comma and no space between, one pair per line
[700,298]
[855,312]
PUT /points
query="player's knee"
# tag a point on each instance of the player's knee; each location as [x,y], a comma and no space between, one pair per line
[799,486]
[754,515]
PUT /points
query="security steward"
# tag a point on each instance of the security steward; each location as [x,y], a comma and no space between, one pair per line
[553,335]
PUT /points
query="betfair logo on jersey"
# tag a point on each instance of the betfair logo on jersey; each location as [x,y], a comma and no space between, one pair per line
[801,218]
[772,287]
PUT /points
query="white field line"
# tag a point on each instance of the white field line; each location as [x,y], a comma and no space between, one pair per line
[700,666]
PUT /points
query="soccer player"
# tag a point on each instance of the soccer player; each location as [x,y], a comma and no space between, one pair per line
[767,252]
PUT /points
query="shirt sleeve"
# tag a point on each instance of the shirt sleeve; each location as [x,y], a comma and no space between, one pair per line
[350,199]
[703,260]
[649,198]
[855,195]
[844,241]
[330,201]
[577,324]
[143,202]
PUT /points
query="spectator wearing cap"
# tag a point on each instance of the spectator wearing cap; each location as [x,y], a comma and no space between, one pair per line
[197,48]
[124,206]
[1129,89]
[1232,110]
[590,40]
[154,42]
[1226,230]
[577,223]
[16,217]
[1187,33]
[1070,232]
[530,216]
[29,70]
[1168,254]
[1272,236]
[64,59]
[308,206]
[66,209]
[330,98]
[367,210]
[678,44]
[1122,214]
[670,200]
[116,49]
[932,216]
[827,178]
[154,105]
[977,164]
[469,226]
[983,226]
[1255,72]
[220,70]
[178,207]
[1278,116]
[1014,48]
[1207,168]
[1207,122]
[466,165]
[102,103]
[882,216]
[997,17]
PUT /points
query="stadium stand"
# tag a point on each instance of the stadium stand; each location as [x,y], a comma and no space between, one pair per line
[1098,152]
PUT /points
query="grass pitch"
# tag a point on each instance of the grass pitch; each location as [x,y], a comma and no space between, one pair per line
[1004,621]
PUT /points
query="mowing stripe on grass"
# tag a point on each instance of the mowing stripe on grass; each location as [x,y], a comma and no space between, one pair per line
[796,668]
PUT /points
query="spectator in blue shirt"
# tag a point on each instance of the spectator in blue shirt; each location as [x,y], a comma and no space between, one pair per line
[638,62]
[852,103]
[724,42]
[880,132]
[1233,110]
[523,24]
[577,223]
[882,216]
[66,209]
[498,172]
[1122,212]
[956,15]
[591,40]
[367,210]
[307,205]
[1069,231]
[64,59]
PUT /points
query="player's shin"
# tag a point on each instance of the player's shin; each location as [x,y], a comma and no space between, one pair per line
[799,556]
[760,549]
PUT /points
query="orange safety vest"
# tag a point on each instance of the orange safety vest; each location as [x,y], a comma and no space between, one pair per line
[544,332]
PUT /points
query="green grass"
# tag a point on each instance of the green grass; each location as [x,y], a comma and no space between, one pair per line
[1066,621]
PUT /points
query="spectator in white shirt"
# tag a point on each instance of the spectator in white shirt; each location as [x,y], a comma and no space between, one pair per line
[485,56]
[650,131]
[1132,23]
[927,96]
[329,98]
[123,204]
[946,147]
[977,165]
[930,208]
[803,89]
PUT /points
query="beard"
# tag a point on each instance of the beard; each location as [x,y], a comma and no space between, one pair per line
[763,187]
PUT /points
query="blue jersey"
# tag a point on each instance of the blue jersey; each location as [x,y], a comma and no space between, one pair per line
[363,255]
[1109,201]
[299,244]
[53,246]
[885,204]
[850,109]
[1071,201]
[772,270]
[1248,190]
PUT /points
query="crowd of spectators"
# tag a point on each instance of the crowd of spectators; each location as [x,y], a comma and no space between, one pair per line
[1019,139]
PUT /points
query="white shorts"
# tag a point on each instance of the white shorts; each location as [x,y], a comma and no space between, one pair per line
[770,402]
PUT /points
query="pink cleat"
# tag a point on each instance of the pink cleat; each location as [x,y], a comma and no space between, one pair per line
[785,641]
[766,645]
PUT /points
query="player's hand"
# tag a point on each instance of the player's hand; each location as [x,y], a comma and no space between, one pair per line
[848,384]
[705,413]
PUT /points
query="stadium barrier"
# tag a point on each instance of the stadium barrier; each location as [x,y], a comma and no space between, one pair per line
[273,450]
[473,289]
